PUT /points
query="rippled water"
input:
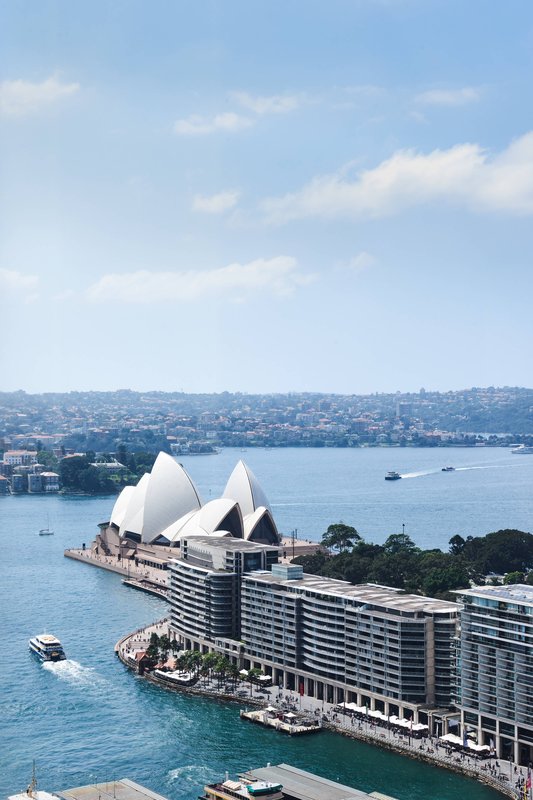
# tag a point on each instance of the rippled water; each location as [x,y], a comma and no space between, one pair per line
[88,718]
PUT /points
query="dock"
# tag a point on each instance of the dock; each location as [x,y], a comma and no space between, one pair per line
[123,789]
[285,722]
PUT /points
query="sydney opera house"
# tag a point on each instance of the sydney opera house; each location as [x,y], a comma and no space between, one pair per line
[151,519]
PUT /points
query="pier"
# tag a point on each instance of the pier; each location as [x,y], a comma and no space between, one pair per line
[283,721]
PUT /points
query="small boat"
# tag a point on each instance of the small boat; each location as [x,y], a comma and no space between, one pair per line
[47,647]
[48,530]
[392,476]
[448,469]
[263,788]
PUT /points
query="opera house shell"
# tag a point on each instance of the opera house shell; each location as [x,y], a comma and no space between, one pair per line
[165,506]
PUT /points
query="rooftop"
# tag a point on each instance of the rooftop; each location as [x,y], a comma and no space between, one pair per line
[515,593]
[367,593]
[123,789]
[228,543]
[301,785]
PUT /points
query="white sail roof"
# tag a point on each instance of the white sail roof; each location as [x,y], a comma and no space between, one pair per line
[260,527]
[244,487]
[170,495]
[134,514]
[121,504]
[209,519]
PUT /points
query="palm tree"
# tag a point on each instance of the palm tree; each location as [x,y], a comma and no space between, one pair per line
[252,677]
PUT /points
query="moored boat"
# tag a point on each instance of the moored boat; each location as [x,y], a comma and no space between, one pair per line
[263,789]
[47,647]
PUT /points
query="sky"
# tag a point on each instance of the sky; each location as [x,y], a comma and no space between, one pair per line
[266,196]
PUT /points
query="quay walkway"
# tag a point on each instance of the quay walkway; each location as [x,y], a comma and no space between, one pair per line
[505,777]
[141,576]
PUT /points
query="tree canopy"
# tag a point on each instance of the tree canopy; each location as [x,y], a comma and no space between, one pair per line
[401,564]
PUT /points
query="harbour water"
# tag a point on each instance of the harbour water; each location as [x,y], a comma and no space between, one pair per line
[89,719]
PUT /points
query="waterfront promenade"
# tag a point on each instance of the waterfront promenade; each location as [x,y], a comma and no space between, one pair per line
[501,775]
[137,574]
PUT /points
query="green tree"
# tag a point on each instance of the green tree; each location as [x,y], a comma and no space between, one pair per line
[514,577]
[340,537]
[399,543]
[253,675]
[457,545]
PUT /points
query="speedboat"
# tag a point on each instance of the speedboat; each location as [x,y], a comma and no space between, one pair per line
[392,476]
[448,469]
[47,647]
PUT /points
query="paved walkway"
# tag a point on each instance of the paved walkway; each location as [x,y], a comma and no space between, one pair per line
[501,775]
[124,567]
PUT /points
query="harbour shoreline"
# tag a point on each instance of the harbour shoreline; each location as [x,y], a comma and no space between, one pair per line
[422,750]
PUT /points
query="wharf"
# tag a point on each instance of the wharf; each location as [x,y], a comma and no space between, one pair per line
[293,724]
[123,789]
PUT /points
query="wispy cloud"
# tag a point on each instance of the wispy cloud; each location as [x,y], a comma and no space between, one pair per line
[215,203]
[25,286]
[359,263]
[196,125]
[465,174]
[11,279]
[19,97]
[273,104]
[280,276]
[449,97]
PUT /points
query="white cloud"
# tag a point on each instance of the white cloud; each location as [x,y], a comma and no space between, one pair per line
[215,203]
[17,281]
[275,104]
[464,174]
[19,97]
[449,97]
[359,263]
[279,276]
[196,125]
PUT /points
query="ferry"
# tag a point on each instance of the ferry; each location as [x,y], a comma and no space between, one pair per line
[242,790]
[392,476]
[47,647]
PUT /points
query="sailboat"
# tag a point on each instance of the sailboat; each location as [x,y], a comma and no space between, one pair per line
[46,531]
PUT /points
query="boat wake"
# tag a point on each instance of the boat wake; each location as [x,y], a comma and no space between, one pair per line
[418,474]
[72,672]
[194,774]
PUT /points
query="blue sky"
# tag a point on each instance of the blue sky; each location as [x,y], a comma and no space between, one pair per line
[266,196]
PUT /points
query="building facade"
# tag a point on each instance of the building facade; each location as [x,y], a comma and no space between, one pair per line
[205,589]
[322,638]
[335,641]
[495,673]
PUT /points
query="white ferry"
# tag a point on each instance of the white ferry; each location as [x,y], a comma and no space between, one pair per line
[47,647]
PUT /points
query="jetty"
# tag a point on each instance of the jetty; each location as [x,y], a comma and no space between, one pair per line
[284,721]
